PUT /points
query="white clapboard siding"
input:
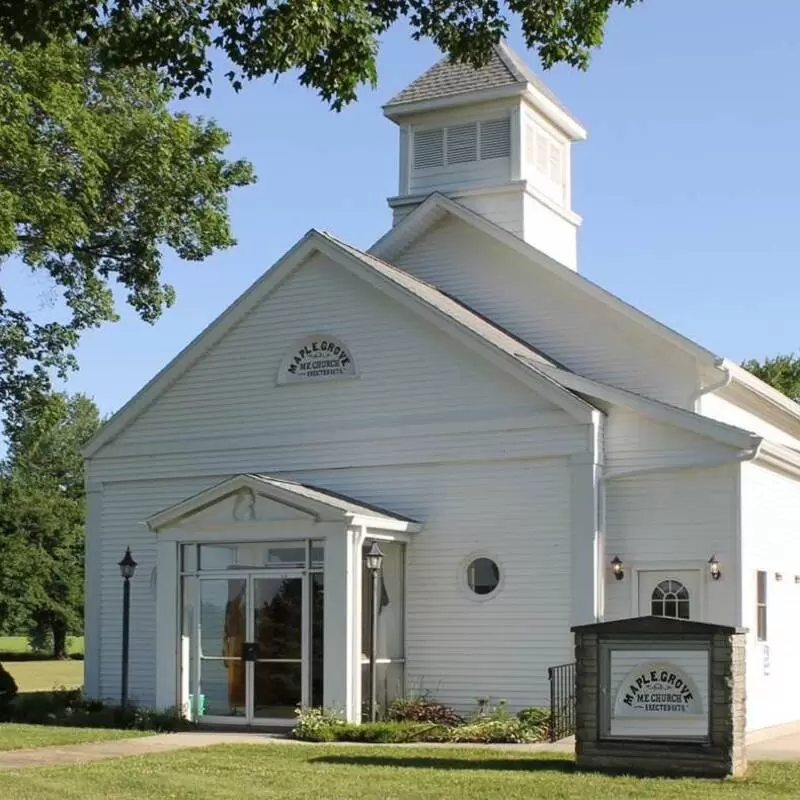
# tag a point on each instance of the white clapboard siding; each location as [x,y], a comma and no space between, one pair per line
[545,433]
[674,520]
[550,231]
[504,209]
[410,371]
[724,410]
[519,514]
[634,442]
[124,508]
[581,333]
[771,542]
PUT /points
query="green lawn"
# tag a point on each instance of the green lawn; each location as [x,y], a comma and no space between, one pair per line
[288,772]
[42,676]
[19,737]
[19,644]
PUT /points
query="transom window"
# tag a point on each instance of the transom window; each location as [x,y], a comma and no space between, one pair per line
[670,599]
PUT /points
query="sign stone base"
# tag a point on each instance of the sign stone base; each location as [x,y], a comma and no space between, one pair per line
[634,719]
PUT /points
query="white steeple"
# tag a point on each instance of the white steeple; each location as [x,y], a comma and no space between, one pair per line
[495,139]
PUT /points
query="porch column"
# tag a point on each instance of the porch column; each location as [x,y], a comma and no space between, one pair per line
[167,637]
[342,625]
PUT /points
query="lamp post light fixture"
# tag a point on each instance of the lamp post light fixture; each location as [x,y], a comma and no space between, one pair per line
[618,568]
[373,559]
[127,568]
[713,568]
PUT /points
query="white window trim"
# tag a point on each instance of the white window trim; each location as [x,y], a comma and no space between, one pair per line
[635,567]
[455,124]
[464,583]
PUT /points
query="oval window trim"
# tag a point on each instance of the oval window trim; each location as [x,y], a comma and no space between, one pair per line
[464,576]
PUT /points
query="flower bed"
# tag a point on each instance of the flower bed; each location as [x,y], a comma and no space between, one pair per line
[415,720]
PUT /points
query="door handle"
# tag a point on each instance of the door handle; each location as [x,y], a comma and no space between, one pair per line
[249,651]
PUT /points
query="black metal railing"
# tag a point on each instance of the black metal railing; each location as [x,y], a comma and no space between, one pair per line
[562,701]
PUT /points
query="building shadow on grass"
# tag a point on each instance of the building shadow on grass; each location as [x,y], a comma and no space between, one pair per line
[432,762]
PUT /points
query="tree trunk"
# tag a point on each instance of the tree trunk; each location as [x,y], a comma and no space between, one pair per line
[59,639]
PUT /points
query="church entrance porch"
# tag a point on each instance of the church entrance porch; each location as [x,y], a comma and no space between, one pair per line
[262,581]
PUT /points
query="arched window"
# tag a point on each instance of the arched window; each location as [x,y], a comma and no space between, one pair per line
[670,599]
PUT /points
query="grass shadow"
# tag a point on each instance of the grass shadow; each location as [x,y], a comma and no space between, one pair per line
[432,762]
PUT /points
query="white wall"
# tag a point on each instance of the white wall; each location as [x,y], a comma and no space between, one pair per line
[428,430]
[770,542]
[410,372]
[674,520]
[550,232]
[519,514]
[576,330]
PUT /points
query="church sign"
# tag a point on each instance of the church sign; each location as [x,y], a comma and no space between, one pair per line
[317,357]
[657,689]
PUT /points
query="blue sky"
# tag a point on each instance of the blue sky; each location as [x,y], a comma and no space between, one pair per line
[687,183]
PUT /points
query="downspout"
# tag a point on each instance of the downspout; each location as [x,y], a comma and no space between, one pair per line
[727,377]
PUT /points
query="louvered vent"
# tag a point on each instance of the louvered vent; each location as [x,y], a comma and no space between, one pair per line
[429,148]
[495,138]
[462,143]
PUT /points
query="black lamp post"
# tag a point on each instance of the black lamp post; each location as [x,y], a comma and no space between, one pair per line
[126,567]
[373,560]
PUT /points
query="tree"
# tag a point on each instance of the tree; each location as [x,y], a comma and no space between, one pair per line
[97,178]
[42,517]
[333,43]
[781,372]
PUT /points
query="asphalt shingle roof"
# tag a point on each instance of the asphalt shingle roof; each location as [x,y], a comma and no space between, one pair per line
[446,78]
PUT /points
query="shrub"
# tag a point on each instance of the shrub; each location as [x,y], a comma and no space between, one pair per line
[536,720]
[8,691]
[317,724]
[421,710]
[494,731]
[68,707]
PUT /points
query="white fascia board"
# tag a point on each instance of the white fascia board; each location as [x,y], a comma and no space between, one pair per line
[522,370]
[173,514]
[779,457]
[775,399]
[395,241]
[653,409]
[390,527]
[557,116]
[396,111]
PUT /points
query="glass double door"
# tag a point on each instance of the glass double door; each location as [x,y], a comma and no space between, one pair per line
[257,645]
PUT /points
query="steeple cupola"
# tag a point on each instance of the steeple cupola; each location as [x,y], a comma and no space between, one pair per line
[495,139]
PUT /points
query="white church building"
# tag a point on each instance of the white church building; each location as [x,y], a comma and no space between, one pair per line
[529,451]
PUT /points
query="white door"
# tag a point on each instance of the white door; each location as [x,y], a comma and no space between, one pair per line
[665,593]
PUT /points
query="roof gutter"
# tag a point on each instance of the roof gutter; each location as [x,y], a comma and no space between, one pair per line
[727,377]
[737,456]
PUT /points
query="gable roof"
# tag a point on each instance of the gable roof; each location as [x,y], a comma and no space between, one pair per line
[462,323]
[449,83]
[446,78]
[316,502]
[437,205]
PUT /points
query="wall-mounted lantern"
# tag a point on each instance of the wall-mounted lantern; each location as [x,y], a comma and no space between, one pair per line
[713,568]
[618,568]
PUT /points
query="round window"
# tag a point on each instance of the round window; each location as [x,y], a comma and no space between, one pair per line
[483,576]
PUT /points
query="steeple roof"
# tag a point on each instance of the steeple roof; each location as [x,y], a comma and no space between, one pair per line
[447,78]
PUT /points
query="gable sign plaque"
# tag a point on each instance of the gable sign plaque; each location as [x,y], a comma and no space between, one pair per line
[657,689]
[317,357]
